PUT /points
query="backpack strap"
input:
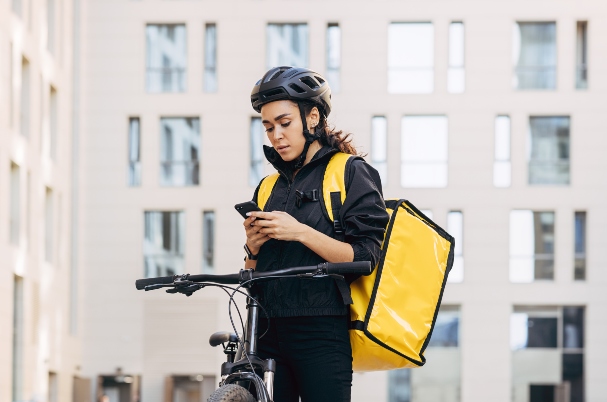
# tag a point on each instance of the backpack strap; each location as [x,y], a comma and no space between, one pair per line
[265,189]
[334,188]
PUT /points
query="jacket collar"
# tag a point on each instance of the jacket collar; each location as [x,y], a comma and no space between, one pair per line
[324,153]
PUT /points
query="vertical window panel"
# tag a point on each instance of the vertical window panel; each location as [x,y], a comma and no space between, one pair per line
[256,152]
[455,227]
[534,55]
[580,246]
[17,6]
[456,80]
[287,45]
[210,58]
[334,57]
[50,25]
[502,166]
[179,151]
[53,387]
[134,173]
[581,55]
[166,60]
[208,242]
[424,151]
[549,153]
[531,246]
[379,146]
[25,98]
[53,123]
[11,96]
[399,385]
[164,241]
[48,226]
[18,340]
[411,58]
[15,205]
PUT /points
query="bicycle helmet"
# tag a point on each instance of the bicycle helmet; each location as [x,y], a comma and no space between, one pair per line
[296,84]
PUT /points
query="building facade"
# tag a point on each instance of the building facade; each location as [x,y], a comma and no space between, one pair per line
[486,115]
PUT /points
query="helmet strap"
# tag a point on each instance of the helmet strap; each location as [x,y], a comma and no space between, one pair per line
[310,138]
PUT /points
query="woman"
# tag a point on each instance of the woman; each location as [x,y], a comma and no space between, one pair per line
[308,336]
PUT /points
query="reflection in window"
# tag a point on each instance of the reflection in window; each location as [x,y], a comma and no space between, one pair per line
[163,245]
[15,208]
[446,328]
[424,151]
[534,55]
[208,242]
[256,152]
[580,246]
[534,328]
[134,177]
[531,246]
[210,58]
[166,60]
[48,226]
[573,327]
[25,98]
[287,45]
[549,153]
[455,227]
[334,56]
[456,82]
[411,58]
[379,147]
[581,55]
[179,151]
[502,166]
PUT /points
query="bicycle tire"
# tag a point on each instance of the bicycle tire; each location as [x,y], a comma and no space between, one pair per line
[231,393]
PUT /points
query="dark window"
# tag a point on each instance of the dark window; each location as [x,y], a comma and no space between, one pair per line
[573,327]
[573,372]
[541,393]
[542,332]
[580,246]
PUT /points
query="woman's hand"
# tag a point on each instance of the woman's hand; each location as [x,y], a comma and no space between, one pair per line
[255,239]
[279,225]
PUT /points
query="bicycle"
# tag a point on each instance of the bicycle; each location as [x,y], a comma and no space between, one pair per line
[239,373]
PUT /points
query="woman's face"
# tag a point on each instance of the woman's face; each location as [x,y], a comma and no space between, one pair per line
[282,122]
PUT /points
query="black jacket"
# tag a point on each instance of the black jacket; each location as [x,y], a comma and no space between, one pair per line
[363,216]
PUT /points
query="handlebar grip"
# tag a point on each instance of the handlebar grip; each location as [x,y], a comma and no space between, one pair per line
[358,267]
[162,280]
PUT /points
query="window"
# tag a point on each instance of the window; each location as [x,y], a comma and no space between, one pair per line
[210,58]
[28,209]
[548,352]
[50,25]
[256,152]
[18,7]
[531,246]
[48,225]
[18,339]
[424,151]
[580,246]
[441,380]
[166,58]
[10,86]
[379,146]
[334,57]
[581,55]
[25,98]
[287,45]
[163,246]
[53,123]
[191,388]
[411,58]
[53,385]
[502,167]
[549,153]
[179,151]
[15,217]
[455,227]
[208,242]
[134,175]
[534,55]
[427,212]
[456,82]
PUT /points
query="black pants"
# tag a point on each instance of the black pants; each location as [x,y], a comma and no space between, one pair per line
[313,358]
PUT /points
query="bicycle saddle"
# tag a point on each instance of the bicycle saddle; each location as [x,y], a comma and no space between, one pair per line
[221,337]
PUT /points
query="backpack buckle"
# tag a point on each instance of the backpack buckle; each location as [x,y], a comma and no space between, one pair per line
[339,229]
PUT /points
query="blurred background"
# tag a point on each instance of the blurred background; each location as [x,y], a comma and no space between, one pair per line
[127,135]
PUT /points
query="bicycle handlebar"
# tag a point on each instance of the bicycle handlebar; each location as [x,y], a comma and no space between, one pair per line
[327,268]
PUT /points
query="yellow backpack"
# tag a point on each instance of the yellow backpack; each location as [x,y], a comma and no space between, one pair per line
[394,308]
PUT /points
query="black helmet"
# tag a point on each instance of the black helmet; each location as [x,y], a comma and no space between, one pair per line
[294,84]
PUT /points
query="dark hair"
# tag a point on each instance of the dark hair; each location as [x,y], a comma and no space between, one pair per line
[330,135]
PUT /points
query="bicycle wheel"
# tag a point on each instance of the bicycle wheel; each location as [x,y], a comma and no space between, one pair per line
[231,393]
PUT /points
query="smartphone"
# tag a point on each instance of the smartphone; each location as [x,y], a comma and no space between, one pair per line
[245,207]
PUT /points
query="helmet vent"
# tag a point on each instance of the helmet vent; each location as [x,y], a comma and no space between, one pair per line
[290,72]
[297,88]
[273,92]
[275,75]
[319,79]
[310,83]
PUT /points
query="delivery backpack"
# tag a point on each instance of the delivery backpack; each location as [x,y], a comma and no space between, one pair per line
[394,308]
